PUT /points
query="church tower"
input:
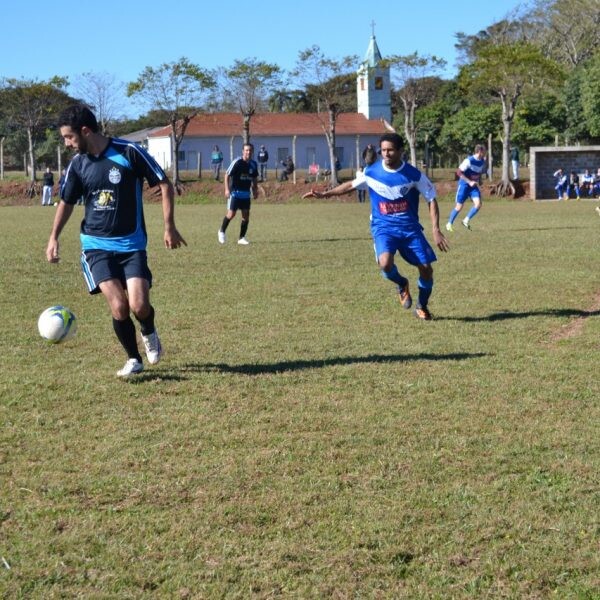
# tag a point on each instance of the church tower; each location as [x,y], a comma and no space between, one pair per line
[373,88]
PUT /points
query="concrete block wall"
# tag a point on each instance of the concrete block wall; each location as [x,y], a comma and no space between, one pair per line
[545,160]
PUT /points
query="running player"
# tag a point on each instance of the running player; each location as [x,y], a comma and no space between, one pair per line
[469,177]
[394,187]
[108,173]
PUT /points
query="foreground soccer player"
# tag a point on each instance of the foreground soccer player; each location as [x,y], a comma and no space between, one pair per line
[109,173]
[394,187]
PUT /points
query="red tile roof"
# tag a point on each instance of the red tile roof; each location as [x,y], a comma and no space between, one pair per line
[275,124]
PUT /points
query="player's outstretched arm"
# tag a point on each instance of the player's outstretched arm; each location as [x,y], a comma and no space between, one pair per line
[438,237]
[172,237]
[340,190]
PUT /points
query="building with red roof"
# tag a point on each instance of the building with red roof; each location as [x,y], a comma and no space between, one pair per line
[300,135]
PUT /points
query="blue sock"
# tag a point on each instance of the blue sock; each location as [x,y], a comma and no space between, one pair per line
[474,210]
[452,216]
[425,289]
[394,275]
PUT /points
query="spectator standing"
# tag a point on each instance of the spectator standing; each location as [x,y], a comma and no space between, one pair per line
[48,185]
[263,159]
[240,187]
[369,155]
[216,160]
[361,191]
[514,161]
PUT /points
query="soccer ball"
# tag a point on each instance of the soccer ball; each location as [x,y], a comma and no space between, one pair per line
[57,324]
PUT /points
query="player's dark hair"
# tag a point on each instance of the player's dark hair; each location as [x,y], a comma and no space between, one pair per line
[394,138]
[249,145]
[479,148]
[78,116]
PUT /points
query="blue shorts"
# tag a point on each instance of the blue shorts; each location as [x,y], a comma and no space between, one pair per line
[466,191]
[412,246]
[238,203]
[102,265]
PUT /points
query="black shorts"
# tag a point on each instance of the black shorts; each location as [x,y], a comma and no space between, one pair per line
[238,203]
[102,265]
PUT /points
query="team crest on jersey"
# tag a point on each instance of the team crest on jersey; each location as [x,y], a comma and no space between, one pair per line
[404,190]
[114,175]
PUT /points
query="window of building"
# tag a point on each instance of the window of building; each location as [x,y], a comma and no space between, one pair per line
[378,83]
[282,154]
[181,155]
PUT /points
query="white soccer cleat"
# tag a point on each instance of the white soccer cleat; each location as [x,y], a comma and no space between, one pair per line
[221,236]
[132,367]
[449,227]
[243,241]
[598,209]
[153,347]
[465,222]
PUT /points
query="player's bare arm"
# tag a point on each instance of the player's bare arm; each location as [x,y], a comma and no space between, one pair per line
[63,212]
[340,190]
[438,237]
[172,237]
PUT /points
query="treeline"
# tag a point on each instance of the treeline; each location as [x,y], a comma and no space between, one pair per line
[532,78]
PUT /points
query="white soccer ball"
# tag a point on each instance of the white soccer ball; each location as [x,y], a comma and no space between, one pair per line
[57,324]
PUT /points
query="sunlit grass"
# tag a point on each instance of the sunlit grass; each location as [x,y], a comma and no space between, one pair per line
[304,436]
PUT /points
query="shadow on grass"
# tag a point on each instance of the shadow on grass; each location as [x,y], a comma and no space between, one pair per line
[320,240]
[507,315]
[300,365]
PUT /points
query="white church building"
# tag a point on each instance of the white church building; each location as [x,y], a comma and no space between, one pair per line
[299,135]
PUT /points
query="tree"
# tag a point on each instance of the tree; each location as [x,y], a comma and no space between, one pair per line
[178,88]
[567,30]
[447,101]
[590,95]
[250,82]
[506,72]
[326,80]
[32,107]
[412,75]
[290,101]
[104,94]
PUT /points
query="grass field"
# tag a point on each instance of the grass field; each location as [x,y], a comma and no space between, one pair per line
[304,436]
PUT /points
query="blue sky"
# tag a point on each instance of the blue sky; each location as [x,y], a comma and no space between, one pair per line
[64,37]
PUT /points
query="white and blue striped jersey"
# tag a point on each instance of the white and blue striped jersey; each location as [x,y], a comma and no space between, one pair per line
[472,168]
[111,186]
[394,194]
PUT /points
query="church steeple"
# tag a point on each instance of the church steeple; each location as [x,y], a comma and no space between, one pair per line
[373,90]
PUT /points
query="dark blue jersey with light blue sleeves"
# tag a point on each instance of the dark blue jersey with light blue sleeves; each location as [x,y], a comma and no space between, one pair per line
[395,195]
[242,175]
[111,186]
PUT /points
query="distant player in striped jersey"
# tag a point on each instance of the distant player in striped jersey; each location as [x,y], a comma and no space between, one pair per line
[469,177]
[394,188]
[240,187]
[109,174]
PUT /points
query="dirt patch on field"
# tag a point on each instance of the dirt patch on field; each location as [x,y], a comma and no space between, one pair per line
[15,193]
[574,327]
